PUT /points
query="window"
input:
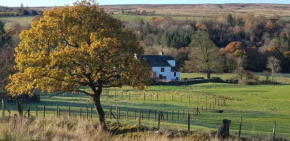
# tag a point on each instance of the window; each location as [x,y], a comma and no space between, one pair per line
[174,74]
[162,69]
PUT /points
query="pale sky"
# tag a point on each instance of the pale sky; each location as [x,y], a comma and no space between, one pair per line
[33,3]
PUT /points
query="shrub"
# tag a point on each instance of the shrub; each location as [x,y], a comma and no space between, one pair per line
[217,80]
[249,79]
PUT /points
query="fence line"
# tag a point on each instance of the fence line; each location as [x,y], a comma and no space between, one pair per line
[187,119]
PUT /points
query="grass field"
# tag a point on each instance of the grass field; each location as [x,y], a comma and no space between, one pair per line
[259,106]
[280,77]
[24,21]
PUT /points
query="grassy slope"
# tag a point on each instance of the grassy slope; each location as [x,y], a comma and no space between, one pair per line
[24,21]
[259,106]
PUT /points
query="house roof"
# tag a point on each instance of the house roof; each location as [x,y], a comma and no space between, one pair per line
[157,60]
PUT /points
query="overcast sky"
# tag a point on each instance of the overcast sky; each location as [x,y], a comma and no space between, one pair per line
[32,3]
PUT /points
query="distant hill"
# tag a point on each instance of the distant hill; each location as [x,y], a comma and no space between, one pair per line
[200,10]
[266,10]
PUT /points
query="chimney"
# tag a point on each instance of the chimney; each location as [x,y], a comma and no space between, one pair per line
[161,53]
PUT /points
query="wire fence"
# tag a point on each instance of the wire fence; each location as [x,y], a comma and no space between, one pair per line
[183,119]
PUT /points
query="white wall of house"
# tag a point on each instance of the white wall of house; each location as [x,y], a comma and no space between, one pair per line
[171,62]
[167,72]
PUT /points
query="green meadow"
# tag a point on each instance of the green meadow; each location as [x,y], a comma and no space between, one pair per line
[259,106]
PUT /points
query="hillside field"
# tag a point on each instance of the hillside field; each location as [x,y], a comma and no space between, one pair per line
[259,106]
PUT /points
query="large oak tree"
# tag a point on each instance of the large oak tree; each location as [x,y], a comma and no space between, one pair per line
[76,46]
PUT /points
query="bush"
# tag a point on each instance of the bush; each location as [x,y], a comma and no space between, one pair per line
[232,80]
[202,78]
[217,80]
[249,79]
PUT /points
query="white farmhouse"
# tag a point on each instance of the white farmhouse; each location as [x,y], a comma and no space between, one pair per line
[163,67]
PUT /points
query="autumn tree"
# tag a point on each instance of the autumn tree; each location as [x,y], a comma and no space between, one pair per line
[75,47]
[182,56]
[6,65]
[274,65]
[204,55]
[5,39]
[6,57]
[235,55]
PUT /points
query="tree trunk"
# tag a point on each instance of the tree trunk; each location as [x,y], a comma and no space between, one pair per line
[272,78]
[19,103]
[208,75]
[99,109]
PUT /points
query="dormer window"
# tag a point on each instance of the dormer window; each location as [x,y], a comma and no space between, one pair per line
[162,69]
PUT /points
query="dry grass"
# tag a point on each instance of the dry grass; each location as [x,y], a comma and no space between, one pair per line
[17,129]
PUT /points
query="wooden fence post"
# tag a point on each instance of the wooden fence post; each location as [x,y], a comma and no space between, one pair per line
[3,108]
[142,113]
[87,112]
[155,115]
[36,111]
[157,96]
[28,112]
[188,123]
[240,130]
[80,113]
[159,119]
[149,114]
[56,112]
[69,111]
[119,112]
[274,130]
[91,112]
[135,113]
[118,116]
[139,123]
[44,111]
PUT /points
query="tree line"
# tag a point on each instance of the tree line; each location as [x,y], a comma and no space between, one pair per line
[257,37]
[18,11]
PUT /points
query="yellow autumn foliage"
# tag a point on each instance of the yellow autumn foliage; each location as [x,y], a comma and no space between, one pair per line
[76,46]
